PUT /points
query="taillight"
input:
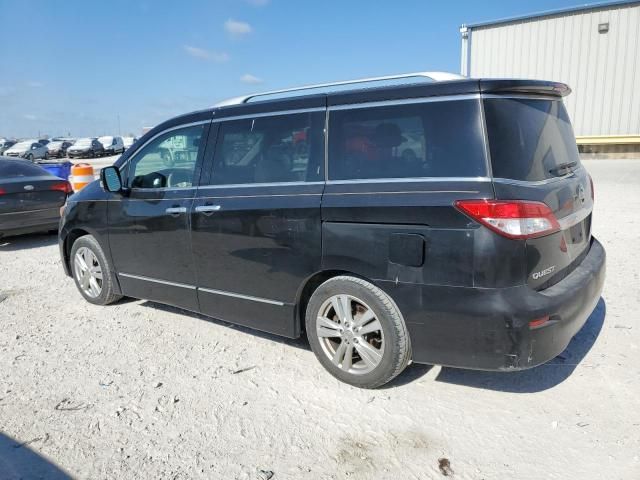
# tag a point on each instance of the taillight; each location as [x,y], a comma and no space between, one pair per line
[593,192]
[512,218]
[62,187]
[539,322]
[2,191]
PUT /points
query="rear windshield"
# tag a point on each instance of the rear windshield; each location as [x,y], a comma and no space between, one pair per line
[11,169]
[530,140]
[433,139]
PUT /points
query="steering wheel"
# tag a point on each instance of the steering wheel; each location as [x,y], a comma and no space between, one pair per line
[179,178]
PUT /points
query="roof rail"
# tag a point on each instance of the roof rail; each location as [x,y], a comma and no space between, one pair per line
[434,76]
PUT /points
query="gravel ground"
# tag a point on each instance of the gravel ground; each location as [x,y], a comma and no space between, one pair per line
[140,390]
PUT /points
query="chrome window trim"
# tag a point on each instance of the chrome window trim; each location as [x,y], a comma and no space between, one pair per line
[267,114]
[358,181]
[239,295]
[162,189]
[574,218]
[263,195]
[155,280]
[405,101]
[266,184]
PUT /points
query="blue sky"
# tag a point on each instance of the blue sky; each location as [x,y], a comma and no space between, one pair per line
[76,66]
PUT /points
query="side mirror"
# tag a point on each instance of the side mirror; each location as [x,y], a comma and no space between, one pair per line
[110,179]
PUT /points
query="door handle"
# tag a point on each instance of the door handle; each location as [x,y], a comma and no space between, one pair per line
[176,210]
[207,209]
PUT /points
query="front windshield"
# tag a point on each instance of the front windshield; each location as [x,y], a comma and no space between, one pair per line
[22,145]
[83,142]
[105,140]
[54,144]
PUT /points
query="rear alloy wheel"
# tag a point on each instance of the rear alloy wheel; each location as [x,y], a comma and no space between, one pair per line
[357,332]
[91,271]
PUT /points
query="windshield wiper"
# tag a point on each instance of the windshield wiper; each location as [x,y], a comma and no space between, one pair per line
[563,166]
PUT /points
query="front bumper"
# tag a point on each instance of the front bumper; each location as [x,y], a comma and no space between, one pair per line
[78,154]
[488,329]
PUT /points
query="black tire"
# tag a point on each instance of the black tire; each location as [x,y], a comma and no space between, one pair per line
[397,346]
[30,157]
[107,293]
[46,156]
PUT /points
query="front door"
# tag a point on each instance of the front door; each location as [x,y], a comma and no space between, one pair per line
[256,226]
[149,226]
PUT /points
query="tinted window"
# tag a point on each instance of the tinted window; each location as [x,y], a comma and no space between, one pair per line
[19,169]
[167,161]
[283,148]
[435,139]
[530,139]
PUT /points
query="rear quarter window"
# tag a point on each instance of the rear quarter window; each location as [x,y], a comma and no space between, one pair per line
[429,139]
[529,139]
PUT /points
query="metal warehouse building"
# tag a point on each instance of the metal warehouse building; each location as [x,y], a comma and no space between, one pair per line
[595,49]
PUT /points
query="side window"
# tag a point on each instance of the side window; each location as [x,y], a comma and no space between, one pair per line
[280,148]
[433,139]
[167,161]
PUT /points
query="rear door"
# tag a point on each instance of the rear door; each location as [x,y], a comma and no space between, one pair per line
[29,195]
[534,157]
[256,230]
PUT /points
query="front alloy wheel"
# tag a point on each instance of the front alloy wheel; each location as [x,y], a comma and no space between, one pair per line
[91,271]
[88,272]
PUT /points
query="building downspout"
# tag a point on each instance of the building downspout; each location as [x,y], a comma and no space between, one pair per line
[465,53]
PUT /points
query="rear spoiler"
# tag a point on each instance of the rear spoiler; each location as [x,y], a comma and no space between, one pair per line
[531,87]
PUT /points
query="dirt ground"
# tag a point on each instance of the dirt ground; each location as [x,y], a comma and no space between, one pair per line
[139,390]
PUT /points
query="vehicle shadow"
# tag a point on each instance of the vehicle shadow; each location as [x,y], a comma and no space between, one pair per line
[18,461]
[300,342]
[539,378]
[533,380]
[25,242]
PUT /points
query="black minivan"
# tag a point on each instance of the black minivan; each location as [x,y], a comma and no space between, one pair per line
[442,222]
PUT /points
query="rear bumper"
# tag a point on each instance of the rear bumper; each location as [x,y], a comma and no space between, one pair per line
[18,223]
[488,329]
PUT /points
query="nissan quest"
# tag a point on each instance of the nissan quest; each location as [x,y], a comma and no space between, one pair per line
[445,220]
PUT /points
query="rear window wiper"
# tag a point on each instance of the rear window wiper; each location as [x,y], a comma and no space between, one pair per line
[563,166]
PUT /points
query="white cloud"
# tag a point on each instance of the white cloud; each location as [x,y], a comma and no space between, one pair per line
[29,116]
[258,3]
[204,54]
[34,84]
[237,29]
[250,79]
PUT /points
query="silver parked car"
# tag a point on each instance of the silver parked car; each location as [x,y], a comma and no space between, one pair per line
[112,145]
[29,149]
[6,145]
[128,141]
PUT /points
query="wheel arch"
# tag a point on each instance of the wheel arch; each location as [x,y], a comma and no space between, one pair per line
[70,238]
[306,290]
[67,243]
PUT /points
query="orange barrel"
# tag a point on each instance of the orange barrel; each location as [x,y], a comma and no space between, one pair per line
[81,175]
